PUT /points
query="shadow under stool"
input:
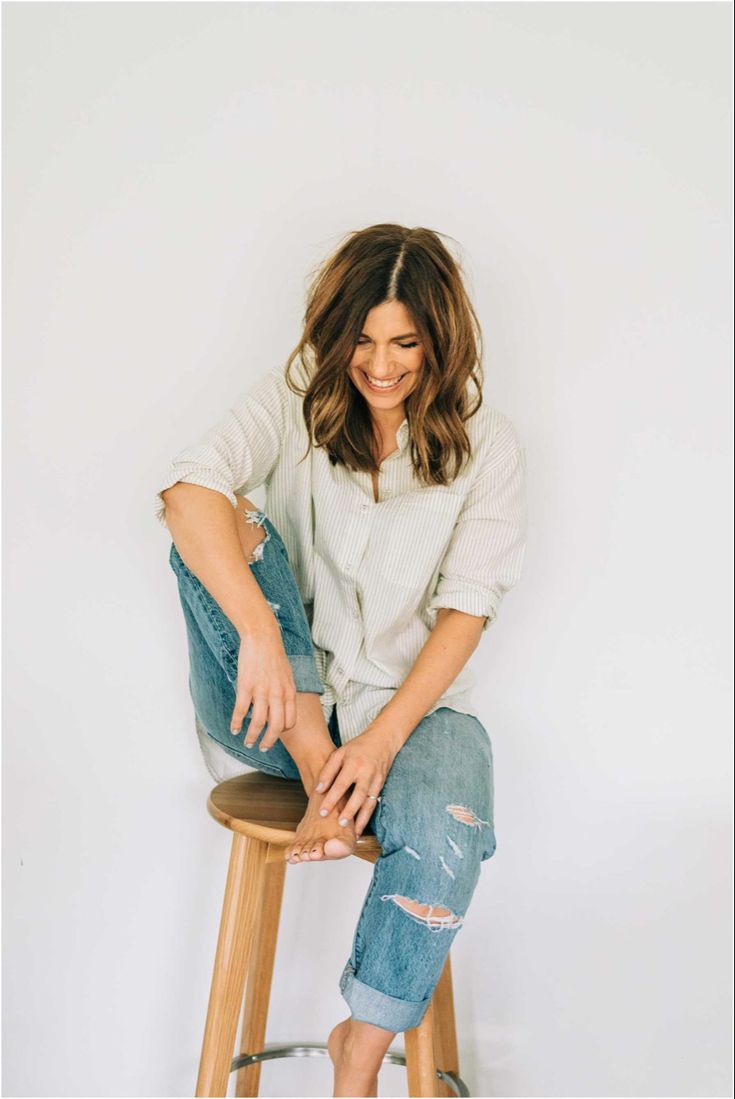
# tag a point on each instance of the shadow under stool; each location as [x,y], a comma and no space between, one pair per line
[263,812]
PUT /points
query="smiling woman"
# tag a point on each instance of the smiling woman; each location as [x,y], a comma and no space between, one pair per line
[393,527]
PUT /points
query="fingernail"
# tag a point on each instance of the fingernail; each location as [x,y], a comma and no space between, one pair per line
[264,748]
[320,786]
[323,812]
[343,821]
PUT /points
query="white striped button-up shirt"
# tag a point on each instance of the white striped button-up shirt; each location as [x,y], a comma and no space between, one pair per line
[372,575]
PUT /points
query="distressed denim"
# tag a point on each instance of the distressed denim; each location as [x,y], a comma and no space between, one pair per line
[434,821]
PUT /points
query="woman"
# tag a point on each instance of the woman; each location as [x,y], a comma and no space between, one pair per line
[394,525]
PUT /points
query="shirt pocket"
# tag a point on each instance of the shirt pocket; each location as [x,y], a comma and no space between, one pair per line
[413,536]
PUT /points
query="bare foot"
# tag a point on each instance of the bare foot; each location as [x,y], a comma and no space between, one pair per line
[348,1079]
[320,838]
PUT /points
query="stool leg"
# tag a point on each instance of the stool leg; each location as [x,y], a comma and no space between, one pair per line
[240,910]
[260,976]
[445,1029]
[420,1059]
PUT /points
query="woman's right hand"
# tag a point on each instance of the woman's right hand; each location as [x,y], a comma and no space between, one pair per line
[265,679]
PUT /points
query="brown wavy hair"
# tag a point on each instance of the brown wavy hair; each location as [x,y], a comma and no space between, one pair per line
[370,266]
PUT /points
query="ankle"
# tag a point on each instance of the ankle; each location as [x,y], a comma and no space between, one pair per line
[365,1044]
[311,766]
[308,742]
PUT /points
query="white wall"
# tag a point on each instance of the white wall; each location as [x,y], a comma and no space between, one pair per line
[172,173]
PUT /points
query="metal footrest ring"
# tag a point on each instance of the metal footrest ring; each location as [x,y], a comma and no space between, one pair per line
[315,1049]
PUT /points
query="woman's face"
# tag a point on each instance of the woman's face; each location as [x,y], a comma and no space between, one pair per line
[388,351]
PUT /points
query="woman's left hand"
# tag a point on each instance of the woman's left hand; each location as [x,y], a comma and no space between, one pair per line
[365,761]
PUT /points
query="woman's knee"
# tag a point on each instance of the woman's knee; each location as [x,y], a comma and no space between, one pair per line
[438,798]
[448,754]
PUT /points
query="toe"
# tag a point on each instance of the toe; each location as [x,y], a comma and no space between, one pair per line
[317,851]
[337,848]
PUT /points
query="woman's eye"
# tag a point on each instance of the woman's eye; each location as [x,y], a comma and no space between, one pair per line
[405,346]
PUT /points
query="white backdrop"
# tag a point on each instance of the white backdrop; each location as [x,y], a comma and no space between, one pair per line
[172,172]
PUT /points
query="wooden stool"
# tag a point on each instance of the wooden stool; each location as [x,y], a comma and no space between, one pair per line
[263,813]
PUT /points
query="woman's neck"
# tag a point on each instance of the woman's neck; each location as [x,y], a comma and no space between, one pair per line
[386,426]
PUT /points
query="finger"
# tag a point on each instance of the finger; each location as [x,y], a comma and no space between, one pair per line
[340,786]
[354,803]
[329,770]
[257,721]
[362,818]
[290,711]
[242,705]
[275,724]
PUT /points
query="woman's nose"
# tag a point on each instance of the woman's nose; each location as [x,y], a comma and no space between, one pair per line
[380,364]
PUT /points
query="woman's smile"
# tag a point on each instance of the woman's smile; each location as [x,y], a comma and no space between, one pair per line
[383,385]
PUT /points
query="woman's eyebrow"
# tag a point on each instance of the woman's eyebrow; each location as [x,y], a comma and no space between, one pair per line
[406,336]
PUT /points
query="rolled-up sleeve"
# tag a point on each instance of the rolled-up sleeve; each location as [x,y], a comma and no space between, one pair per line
[238,453]
[484,559]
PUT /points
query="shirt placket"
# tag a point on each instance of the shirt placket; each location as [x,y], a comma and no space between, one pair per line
[357,534]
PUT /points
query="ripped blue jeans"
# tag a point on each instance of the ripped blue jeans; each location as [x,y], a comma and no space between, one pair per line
[434,821]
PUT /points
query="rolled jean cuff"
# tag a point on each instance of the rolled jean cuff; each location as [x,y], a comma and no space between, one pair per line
[305,674]
[370,1006]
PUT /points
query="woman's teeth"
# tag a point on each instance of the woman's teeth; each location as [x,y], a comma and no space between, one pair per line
[390,384]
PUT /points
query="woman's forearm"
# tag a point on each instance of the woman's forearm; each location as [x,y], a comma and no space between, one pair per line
[446,651]
[203,527]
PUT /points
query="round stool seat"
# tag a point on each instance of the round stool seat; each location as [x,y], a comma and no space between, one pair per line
[269,809]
